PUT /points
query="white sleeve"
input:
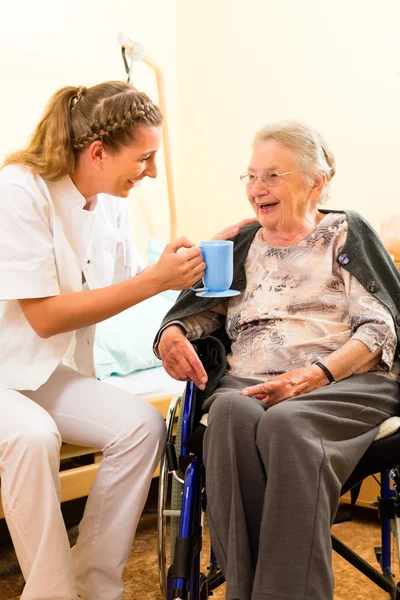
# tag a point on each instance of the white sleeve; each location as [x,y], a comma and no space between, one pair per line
[27,266]
[128,261]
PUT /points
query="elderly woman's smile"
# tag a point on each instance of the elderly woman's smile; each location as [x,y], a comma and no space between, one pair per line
[267,207]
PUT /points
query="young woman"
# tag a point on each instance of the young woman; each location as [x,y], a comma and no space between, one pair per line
[66,263]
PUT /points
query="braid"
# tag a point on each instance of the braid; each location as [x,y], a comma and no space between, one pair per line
[75,99]
[141,111]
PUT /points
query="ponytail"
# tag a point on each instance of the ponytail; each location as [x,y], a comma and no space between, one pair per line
[50,153]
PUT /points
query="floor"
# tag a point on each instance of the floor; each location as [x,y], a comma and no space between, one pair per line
[141,575]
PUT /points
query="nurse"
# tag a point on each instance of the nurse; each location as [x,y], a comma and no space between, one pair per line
[66,263]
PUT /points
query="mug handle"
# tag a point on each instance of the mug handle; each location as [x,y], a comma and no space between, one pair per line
[203,289]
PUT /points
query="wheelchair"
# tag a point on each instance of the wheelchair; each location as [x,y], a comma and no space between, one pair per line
[181,510]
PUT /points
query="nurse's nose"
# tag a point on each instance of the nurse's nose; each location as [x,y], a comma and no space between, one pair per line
[151,169]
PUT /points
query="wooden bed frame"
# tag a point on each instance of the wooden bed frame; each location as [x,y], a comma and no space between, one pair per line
[77,481]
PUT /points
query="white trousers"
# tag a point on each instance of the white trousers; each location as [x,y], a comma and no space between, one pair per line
[75,409]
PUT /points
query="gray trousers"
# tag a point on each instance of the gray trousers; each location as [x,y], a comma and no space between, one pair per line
[274,477]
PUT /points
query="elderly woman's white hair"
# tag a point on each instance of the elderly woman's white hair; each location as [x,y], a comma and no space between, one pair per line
[313,153]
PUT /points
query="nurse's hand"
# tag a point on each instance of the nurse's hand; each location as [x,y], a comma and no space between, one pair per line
[232,230]
[179,357]
[179,270]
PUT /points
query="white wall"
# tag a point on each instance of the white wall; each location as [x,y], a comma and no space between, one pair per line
[244,63]
[45,45]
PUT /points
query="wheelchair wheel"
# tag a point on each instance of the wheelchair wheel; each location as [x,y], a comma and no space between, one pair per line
[396,552]
[165,511]
[176,493]
[395,528]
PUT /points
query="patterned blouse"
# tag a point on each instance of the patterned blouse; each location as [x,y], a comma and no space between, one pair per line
[299,305]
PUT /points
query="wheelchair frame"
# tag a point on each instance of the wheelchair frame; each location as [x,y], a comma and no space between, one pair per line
[388,504]
[183,579]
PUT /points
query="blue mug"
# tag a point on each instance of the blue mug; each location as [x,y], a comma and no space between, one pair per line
[218,256]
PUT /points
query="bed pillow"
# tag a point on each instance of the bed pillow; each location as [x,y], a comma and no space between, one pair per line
[124,343]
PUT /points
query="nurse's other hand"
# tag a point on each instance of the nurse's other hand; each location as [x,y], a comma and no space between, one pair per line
[179,357]
[233,230]
[179,270]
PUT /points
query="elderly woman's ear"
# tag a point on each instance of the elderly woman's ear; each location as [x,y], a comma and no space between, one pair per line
[318,186]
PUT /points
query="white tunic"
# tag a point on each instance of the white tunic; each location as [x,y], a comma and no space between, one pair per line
[47,240]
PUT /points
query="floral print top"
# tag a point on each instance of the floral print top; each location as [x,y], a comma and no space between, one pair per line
[299,305]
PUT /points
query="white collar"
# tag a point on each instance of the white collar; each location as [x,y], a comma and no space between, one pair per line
[70,192]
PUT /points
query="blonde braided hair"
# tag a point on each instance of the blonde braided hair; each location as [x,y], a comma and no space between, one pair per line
[105,131]
[77,116]
[79,93]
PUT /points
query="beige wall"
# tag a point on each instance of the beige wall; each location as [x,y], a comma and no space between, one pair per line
[45,45]
[243,63]
[229,67]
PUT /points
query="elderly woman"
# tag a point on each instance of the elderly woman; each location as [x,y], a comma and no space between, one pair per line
[318,306]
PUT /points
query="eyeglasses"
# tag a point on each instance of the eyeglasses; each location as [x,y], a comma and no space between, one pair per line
[269,178]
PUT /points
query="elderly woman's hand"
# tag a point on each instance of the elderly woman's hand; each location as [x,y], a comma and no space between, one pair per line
[288,385]
[233,230]
[179,357]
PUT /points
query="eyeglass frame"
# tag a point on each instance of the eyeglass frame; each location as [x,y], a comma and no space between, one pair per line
[261,176]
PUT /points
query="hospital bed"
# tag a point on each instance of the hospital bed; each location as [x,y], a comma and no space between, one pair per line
[79,464]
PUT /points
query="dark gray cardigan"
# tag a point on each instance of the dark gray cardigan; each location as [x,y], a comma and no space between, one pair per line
[363,255]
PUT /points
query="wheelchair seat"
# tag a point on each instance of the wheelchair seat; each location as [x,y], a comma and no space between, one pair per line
[382,455]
